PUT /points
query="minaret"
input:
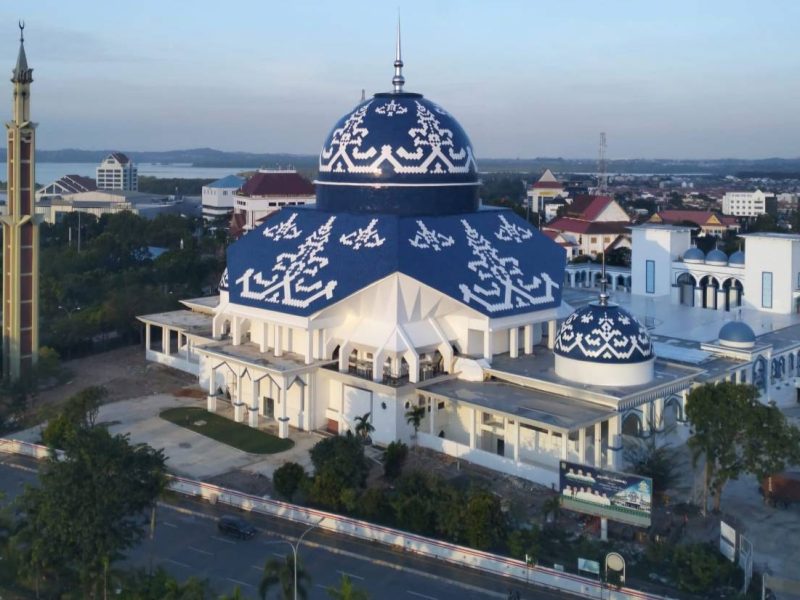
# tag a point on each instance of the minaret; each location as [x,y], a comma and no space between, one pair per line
[20,233]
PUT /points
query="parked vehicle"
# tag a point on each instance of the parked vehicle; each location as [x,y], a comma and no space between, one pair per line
[781,489]
[235,527]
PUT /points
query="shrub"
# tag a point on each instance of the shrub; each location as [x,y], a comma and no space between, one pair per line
[287,479]
[342,458]
[393,459]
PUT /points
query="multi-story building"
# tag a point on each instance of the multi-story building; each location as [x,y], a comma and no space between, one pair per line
[544,191]
[117,172]
[594,224]
[709,222]
[266,192]
[218,197]
[749,204]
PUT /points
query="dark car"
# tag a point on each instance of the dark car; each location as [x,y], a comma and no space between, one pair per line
[235,527]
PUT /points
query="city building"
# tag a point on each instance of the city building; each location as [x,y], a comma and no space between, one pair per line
[105,202]
[397,290]
[595,224]
[543,192]
[749,204]
[266,192]
[709,222]
[218,197]
[117,172]
[20,232]
[66,185]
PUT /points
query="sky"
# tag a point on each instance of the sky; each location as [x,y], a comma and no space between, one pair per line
[677,79]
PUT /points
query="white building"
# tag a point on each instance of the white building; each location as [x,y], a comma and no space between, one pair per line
[266,192]
[399,290]
[68,184]
[218,197]
[748,204]
[543,192]
[117,172]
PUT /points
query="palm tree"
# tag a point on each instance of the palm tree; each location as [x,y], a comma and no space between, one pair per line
[346,591]
[281,572]
[364,427]
[236,594]
[414,418]
[552,506]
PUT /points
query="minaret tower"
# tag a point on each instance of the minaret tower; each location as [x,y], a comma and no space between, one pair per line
[20,233]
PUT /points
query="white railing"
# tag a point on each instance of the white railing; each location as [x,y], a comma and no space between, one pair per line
[452,553]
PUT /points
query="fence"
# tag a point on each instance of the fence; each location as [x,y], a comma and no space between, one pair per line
[459,555]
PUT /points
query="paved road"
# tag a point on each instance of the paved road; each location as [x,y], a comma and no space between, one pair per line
[187,543]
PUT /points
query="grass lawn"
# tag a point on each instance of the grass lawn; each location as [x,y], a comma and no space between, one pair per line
[224,430]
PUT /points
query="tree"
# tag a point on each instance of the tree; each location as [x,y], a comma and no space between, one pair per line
[393,459]
[414,417]
[160,585]
[485,523]
[343,458]
[647,458]
[280,572]
[236,594]
[78,414]
[287,479]
[736,434]
[87,509]
[524,543]
[364,427]
[346,591]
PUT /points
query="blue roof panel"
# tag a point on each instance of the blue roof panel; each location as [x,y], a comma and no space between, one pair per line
[300,261]
[229,181]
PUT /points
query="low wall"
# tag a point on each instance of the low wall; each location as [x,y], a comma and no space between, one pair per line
[541,475]
[452,553]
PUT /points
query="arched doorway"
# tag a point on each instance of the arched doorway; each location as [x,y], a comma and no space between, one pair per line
[632,424]
[686,284]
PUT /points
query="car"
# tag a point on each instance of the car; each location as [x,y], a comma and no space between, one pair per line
[235,527]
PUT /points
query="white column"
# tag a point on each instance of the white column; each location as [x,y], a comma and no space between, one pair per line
[698,297]
[147,336]
[278,340]
[528,339]
[646,418]
[582,444]
[434,403]
[658,414]
[513,342]
[252,417]
[238,403]
[603,529]
[472,427]
[488,345]
[614,441]
[164,340]
[236,330]
[598,444]
[516,440]
[721,299]
[211,400]
[564,441]
[263,342]
[283,420]
[551,334]
[309,347]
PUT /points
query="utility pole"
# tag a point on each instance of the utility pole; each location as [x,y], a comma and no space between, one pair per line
[602,166]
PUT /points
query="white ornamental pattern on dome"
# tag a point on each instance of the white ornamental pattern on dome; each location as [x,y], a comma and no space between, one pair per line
[506,286]
[509,232]
[283,231]
[426,238]
[433,151]
[605,340]
[338,157]
[294,279]
[391,109]
[363,236]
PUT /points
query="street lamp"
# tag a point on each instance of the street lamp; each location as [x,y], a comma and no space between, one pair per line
[615,562]
[295,548]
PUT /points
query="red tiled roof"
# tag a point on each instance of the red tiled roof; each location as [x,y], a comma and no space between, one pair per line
[581,226]
[588,207]
[277,184]
[699,217]
[77,183]
[547,184]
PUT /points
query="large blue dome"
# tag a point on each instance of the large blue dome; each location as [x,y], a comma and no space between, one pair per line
[398,153]
[604,334]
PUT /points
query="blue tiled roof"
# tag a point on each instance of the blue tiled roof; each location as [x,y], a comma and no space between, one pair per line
[300,261]
[230,181]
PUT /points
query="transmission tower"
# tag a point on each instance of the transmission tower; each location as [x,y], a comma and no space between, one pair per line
[602,166]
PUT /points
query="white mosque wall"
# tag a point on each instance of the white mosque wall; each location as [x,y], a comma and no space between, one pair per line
[662,246]
[777,258]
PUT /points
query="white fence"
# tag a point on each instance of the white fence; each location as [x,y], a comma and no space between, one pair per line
[452,553]
[541,475]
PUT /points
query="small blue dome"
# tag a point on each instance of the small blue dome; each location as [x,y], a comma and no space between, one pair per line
[738,334]
[737,258]
[604,334]
[716,257]
[694,254]
[398,153]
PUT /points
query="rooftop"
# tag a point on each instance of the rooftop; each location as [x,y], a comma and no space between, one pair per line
[251,353]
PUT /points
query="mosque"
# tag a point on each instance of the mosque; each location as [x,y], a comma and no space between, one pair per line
[398,290]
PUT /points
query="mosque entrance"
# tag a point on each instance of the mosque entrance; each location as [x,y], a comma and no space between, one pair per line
[269,408]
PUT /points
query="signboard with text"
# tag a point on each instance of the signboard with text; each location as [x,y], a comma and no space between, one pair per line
[617,496]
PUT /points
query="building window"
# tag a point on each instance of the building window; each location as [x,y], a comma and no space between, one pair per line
[650,277]
[766,289]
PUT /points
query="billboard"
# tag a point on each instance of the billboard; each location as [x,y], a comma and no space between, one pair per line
[617,496]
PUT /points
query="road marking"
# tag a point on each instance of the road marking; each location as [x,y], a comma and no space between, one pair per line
[351,575]
[177,562]
[199,551]
[219,539]
[168,524]
[240,582]
[421,595]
